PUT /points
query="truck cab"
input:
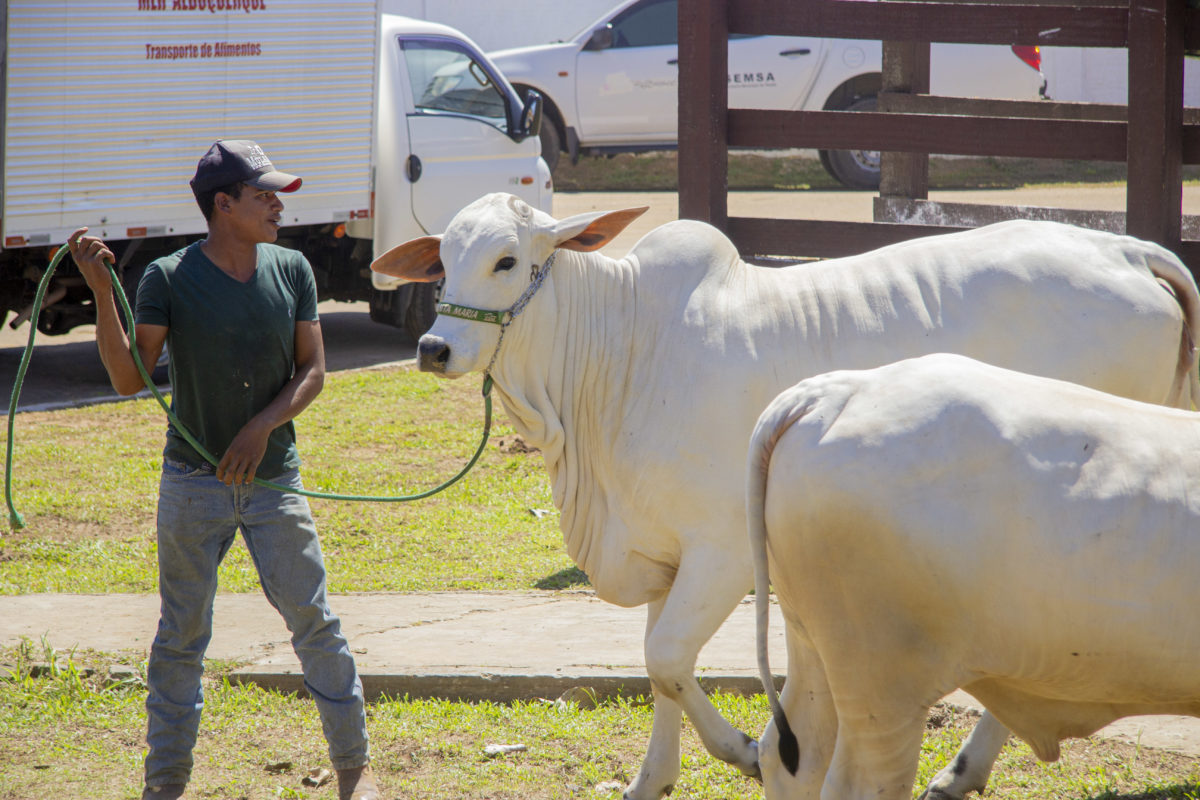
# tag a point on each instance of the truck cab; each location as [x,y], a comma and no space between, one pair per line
[450,128]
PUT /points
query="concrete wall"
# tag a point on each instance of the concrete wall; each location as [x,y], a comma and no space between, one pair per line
[495,26]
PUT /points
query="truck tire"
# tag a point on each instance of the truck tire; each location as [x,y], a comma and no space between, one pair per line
[855,169]
[422,308]
[389,308]
[551,143]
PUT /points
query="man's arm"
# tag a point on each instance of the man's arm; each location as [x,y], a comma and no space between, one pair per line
[92,256]
[248,447]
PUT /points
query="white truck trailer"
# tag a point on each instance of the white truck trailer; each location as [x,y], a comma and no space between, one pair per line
[393,123]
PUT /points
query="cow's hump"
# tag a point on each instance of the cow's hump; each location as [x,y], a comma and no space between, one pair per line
[685,243]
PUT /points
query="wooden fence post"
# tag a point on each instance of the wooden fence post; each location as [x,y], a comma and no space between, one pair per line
[703,100]
[1154,193]
[905,70]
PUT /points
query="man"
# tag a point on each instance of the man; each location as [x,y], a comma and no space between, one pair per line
[239,317]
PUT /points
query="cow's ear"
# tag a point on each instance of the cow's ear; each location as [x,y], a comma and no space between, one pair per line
[418,260]
[588,232]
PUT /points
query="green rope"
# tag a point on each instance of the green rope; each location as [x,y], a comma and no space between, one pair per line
[16,521]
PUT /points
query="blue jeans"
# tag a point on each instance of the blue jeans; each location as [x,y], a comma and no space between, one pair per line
[198,517]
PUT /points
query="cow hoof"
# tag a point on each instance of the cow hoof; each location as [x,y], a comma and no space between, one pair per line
[666,792]
[750,768]
[938,794]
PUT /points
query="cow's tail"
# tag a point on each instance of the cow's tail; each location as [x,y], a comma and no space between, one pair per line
[771,425]
[1170,271]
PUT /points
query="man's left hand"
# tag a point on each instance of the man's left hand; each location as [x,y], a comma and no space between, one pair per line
[242,458]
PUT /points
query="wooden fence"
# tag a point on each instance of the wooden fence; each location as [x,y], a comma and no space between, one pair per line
[1150,134]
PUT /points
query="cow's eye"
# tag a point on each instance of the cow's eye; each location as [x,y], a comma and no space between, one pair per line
[505,264]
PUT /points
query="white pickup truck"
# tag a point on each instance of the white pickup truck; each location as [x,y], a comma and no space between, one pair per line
[613,86]
[394,123]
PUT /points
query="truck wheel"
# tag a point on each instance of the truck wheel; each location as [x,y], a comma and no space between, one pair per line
[551,143]
[856,169]
[422,308]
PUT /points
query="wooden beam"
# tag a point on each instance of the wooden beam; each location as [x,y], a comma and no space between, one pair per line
[1082,26]
[805,238]
[973,215]
[703,162]
[1189,251]
[1010,3]
[928,133]
[1035,109]
[1191,143]
[985,107]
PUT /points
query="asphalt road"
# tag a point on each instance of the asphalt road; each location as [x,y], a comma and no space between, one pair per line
[66,370]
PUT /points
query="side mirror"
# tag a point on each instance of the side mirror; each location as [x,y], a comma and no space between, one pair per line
[530,123]
[602,39]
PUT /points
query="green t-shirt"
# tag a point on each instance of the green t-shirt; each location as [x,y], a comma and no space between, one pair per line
[231,345]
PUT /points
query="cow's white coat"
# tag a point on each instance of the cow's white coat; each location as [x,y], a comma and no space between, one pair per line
[941,523]
[640,379]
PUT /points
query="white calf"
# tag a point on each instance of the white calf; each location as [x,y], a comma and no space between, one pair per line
[941,523]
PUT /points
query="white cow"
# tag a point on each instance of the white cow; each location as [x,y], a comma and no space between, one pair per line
[941,523]
[640,379]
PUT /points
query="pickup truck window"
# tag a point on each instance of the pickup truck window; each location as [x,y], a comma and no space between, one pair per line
[647,24]
[652,23]
[446,79]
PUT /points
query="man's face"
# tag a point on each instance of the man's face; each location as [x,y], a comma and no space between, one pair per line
[256,214]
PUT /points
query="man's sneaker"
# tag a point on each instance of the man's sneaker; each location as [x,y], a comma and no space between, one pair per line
[170,791]
[357,783]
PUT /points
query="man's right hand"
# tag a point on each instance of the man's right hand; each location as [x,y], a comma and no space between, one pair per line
[92,255]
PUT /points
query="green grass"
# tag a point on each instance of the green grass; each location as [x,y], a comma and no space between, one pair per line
[86,481]
[68,730]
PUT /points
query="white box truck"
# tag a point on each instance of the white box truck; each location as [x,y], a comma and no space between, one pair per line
[393,123]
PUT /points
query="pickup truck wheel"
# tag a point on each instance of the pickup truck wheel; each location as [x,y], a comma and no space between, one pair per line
[422,308]
[551,143]
[856,169]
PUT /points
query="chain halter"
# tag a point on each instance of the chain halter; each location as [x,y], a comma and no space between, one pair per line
[501,318]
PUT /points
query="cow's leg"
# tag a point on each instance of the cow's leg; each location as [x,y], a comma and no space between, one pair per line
[707,587]
[971,767]
[878,747]
[660,769]
[808,704]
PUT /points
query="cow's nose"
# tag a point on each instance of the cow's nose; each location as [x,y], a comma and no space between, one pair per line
[432,353]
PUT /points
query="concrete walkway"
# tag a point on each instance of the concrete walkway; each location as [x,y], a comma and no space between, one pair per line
[459,645]
[497,646]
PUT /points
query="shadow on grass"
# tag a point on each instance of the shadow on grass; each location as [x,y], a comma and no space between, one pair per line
[564,579]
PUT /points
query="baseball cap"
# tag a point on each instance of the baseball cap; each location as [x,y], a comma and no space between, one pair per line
[240,160]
